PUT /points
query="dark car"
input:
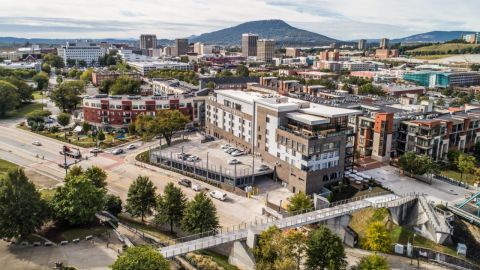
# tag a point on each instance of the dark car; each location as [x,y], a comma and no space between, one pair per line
[185,183]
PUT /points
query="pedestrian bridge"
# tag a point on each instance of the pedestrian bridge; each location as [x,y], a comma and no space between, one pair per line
[223,236]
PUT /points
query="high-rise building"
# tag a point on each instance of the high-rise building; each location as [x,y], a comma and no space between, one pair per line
[265,50]
[148,41]
[181,47]
[197,47]
[292,52]
[362,44]
[249,45]
[384,43]
[85,51]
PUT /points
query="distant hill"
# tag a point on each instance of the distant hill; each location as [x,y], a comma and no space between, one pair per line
[279,30]
[433,37]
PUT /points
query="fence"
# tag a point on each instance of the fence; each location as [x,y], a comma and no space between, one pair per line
[445,259]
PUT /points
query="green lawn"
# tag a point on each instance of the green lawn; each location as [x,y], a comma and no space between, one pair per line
[444,47]
[84,141]
[5,166]
[81,233]
[469,178]
[24,110]
[433,57]
[349,192]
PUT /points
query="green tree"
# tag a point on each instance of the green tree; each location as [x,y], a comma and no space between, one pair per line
[165,123]
[370,89]
[452,157]
[105,86]
[82,63]
[74,172]
[125,85]
[36,119]
[113,204]
[373,262]
[73,73]
[46,68]
[53,60]
[211,85]
[22,211]
[299,202]
[101,136]
[140,258]
[97,175]
[86,127]
[67,95]
[42,80]
[24,90]
[407,162]
[465,164]
[9,98]
[87,75]
[71,62]
[440,102]
[377,237]
[242,71]
[63,120]
[78,201]
[200,215]
[325,251]
[170,206]
[277,250]
[141,197]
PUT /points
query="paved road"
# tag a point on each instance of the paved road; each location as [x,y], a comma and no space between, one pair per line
[16,146]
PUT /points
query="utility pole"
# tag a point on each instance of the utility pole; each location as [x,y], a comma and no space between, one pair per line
[65,159]
[206,178]
[160,149]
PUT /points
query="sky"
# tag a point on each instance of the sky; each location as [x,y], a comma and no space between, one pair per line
[340,19]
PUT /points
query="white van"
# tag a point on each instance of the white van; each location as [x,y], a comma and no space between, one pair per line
[197,187]
[219,195]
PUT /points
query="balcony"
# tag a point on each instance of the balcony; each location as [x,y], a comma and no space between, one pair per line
[312,135]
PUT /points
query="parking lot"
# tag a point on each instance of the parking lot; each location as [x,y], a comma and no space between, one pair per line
[217,157]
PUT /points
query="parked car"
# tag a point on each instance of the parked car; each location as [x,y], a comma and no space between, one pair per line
[219,195]
[185,182]
[118,151]
[225,146]
[131,147]
[96,150]
[263,168]
[37,143]
[193,158]
[231,150]
[197,187]
[234,161]
[238,153]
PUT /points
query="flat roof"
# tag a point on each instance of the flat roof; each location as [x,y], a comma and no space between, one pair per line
[329,112]
[307,118]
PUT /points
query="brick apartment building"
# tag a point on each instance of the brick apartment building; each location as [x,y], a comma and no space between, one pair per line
[99,76]
[119,111]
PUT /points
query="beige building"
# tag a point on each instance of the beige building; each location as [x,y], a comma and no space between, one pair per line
[265,50]
[249,45]
[306,143]
[292,52]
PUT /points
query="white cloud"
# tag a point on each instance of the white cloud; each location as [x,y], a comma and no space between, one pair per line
[343,19]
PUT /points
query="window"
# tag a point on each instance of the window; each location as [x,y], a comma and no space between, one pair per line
[267,119]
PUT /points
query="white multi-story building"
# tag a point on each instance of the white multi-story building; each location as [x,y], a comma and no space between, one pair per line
[306,142]
[129,56]
[359,66]
[145,67]
[86,51]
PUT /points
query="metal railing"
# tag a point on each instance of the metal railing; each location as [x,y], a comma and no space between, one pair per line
[224,235]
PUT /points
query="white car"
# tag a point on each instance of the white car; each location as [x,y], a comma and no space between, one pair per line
[193,158]
[219,195]
[131,147]
[118,151]
[225,146]
[234,161]
[238,153]
[263,168]
[95,150]
[37,143]
[229,149]
[197,187]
